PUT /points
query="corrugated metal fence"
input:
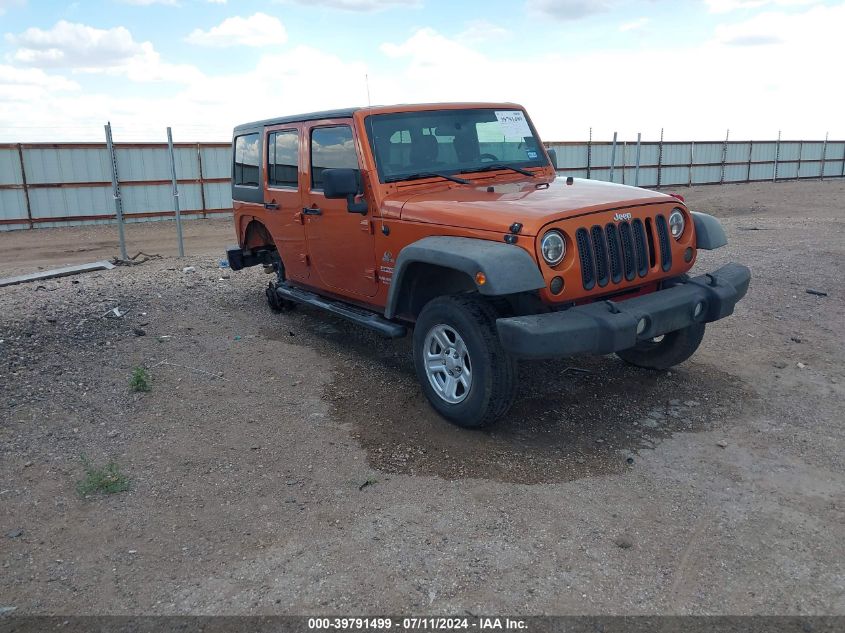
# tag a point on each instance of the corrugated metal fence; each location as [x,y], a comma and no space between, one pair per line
[44,185]
[700,163]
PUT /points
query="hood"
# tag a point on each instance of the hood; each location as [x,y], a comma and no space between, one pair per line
[495,206]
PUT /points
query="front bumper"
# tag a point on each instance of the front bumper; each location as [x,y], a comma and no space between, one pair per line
[608,326]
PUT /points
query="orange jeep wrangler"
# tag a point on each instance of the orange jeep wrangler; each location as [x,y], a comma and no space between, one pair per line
[450,219]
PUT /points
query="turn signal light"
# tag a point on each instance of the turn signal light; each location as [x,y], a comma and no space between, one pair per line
[480,278]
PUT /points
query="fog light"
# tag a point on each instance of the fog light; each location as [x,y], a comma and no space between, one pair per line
[688,255]
[642,324]
[698,310]
[557,285]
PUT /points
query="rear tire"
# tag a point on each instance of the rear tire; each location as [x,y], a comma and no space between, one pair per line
[673,349]
[464,372]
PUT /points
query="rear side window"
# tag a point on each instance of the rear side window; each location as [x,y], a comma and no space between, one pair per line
[331,148]
[283,158]
[247,158]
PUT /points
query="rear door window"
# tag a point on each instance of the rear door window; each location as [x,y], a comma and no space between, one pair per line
[283,159]
[247,159]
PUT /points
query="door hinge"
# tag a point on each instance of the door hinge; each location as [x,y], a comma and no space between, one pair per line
[370,273]
[367,226]
[303,257]
[298,217]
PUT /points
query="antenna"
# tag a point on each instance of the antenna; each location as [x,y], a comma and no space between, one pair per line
[367,81]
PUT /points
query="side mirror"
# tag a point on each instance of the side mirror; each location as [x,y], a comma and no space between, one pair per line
[553,157]
[343,183]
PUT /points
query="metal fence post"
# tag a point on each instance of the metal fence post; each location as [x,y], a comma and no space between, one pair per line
[175,193]
[25,187]
[624,159]
[777,157]
[637,168]
[202,180]
[724,158]
[824,155]
[589,152]
[115,186]
[800,151]
[842,175]
[750,150]
[660,158]
[613,157]
[691,162]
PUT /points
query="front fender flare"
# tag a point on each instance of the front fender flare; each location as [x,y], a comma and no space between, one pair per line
[509,269]
[709,234]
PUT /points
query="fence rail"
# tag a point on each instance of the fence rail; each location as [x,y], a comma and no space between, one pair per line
[64,184]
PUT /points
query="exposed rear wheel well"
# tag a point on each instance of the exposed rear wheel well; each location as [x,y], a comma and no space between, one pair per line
[257,237]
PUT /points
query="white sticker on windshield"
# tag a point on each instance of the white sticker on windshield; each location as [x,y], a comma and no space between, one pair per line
[513,123]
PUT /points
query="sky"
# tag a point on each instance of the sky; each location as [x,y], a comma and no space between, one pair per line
[695,68]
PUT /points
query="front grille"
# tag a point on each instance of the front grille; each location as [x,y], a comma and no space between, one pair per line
[588,275]
[663,236]
[624,249]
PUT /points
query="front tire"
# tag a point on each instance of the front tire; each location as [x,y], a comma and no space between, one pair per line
[464,372]
[672,349]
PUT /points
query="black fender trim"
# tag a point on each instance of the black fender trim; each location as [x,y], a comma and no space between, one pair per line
[509,269]
[709,234]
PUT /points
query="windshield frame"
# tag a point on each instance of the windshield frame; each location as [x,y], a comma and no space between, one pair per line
[542,159]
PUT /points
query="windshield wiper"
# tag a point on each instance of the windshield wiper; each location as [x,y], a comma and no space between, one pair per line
[498,166]
[427,174]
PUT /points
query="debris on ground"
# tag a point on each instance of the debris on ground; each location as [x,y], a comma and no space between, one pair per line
[624,541]
[134,260]
[189,269]
[369,482]
[55,273]
[818,293]
[115,313]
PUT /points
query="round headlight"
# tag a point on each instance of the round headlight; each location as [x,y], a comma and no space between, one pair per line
[553,247]
[677,223]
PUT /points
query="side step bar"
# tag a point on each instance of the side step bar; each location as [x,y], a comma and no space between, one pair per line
[362,317]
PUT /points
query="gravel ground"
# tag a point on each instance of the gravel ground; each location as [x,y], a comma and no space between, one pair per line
[289,463]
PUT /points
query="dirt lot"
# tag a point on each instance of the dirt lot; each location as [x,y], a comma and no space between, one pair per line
[718,487]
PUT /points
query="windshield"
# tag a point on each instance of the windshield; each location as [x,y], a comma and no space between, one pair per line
[409,144]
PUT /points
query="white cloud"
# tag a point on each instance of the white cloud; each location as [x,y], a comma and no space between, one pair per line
[257,30]
[146,3]
[482,31]
[634,25]
[708,87]
[726,6]
[427,48]
[27,85]
[68,44]
[359,5]
[85,49]
[567,10]
[10,4]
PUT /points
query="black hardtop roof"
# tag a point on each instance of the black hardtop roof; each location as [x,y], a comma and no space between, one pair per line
[343,113]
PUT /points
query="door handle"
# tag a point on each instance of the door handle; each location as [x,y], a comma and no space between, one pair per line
[272,206]
[312,211]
